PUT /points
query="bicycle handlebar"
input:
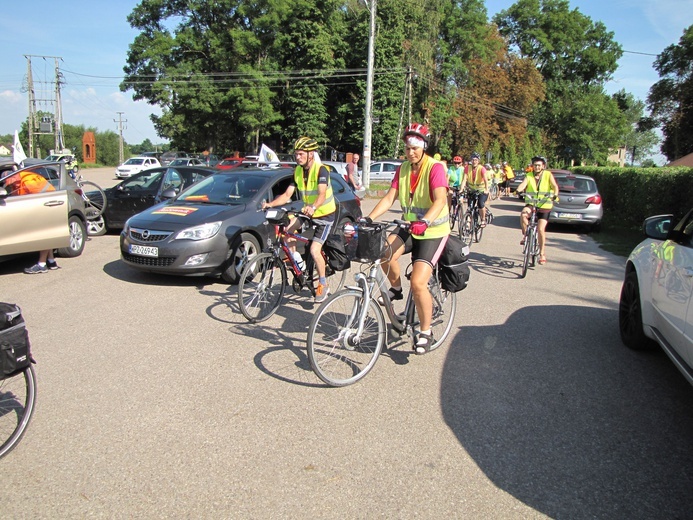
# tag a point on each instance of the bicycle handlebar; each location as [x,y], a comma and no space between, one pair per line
[539,197]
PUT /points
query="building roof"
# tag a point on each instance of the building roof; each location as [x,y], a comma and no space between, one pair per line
[686,160]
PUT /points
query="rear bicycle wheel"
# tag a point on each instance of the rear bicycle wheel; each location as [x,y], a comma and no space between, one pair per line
[467,228]
[444,307]
[335,279]
[261,287]
[94,199]
[336,356]
[17,402]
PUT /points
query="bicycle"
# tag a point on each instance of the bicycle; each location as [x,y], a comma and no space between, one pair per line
[264,278]
[471,228]
[530,247]
[348,332]
[17,379]
[456,206]
[493,189]
[94,198]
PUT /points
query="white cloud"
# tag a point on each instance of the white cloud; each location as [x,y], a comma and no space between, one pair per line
[11,96]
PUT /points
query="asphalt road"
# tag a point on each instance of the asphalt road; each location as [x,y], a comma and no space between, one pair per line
[157,400]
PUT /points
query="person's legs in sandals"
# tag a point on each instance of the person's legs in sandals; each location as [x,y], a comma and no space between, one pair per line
[391,268]
[541,226]
[420,274]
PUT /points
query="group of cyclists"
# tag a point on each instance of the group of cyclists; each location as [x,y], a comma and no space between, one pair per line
[421,185]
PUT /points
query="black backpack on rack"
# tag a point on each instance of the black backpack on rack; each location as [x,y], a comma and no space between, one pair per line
[15,350]
[453,270]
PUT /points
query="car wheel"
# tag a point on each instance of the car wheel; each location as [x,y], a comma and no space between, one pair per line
[97,227]
[78,237]
[630,315]
[243,249]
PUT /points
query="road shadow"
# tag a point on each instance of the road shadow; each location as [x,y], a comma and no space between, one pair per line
[118,270]
[494,265]
[572,423]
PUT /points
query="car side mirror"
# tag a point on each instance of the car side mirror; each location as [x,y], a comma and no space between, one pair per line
[168,193]
[658,227]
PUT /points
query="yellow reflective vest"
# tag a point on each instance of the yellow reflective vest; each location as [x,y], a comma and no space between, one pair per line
[415,206]
[309,190]
[544,188]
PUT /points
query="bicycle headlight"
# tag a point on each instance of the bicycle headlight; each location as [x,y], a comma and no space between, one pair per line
[201,232]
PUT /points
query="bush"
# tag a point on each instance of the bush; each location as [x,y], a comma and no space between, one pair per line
[632,194]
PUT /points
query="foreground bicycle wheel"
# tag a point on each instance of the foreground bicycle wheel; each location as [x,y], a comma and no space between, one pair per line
[17,401]
[261,287]
[467,229]
[94,199]
[335,356]
[526,252]
[478,230]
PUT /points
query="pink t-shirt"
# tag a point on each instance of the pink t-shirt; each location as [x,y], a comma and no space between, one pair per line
[439,178]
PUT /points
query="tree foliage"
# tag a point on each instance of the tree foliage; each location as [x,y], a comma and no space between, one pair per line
[230,74]
[671,99]
[638,140]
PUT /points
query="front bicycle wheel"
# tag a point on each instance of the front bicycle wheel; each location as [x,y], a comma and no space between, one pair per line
[17,401]
[467,228]
[493,191]
[261,287]
[478,230]
[526,252]
[94,199]
[337,356]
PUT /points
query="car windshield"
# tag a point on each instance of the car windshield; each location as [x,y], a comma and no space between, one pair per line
[134,161]
[224,189]
[577,185]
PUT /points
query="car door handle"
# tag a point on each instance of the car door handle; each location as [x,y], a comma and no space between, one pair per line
[52,203]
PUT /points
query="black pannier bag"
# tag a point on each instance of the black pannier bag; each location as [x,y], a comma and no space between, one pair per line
[15,351]
[453,270]
[335,250]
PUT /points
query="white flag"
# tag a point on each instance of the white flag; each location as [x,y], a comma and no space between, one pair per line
[18,154]
[267,154]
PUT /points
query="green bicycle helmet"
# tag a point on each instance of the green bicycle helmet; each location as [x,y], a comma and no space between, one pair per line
[306,144]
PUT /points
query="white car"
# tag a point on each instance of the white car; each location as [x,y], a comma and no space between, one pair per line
[135,165]
[656,294]
[384,171]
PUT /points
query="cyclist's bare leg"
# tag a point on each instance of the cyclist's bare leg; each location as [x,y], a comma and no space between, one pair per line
[524,219]
[294,224]
[541,227]
[420,274]
[391,266]
[315,252]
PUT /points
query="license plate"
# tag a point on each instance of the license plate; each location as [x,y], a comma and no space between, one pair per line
[570,215]
[144,250]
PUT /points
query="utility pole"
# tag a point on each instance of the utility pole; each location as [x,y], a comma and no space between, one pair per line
[47,96]
[120,121]
[367,134]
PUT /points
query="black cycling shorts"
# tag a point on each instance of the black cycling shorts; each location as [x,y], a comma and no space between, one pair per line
[542,214]
[428,250]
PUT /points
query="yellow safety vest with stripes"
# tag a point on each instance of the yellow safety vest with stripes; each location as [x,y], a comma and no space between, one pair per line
[309,190]
[415,206]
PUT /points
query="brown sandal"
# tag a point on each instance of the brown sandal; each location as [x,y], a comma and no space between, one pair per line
[542,259]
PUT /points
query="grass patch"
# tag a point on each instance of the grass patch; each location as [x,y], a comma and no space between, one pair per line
[618,240]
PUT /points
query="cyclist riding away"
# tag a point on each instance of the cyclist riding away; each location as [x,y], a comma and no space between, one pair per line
[508,175]
[538,183]
[475,177]
[420,184]
[455,174]
[312,180]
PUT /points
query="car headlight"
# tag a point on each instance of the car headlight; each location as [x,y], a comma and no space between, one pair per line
[201,232]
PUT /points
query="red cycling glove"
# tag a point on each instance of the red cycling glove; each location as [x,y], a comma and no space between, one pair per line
[418,228]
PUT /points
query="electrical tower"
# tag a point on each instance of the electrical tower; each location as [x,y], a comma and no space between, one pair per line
[46,93]
[120,121]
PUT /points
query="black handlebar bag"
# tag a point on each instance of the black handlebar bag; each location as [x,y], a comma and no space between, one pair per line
[15,350]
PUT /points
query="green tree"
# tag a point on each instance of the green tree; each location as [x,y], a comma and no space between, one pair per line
[575,56]
[638,140]
[670,100]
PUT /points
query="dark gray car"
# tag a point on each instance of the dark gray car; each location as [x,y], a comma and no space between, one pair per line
[217,224]
[579,204]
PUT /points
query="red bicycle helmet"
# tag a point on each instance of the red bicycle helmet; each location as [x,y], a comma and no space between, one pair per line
[418,130]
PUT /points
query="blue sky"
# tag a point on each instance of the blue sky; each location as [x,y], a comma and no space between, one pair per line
[93,38]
